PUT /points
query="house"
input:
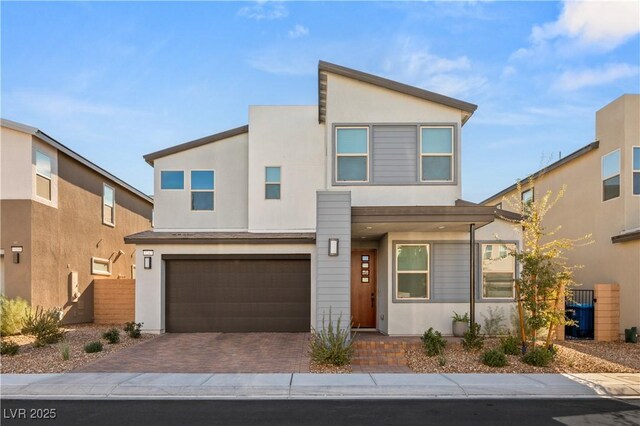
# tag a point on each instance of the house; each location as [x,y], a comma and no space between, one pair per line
[350,207]
[62,223]
[602,198]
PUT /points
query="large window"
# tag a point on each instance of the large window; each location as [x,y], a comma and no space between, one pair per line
[498,271]
[611,175]
[202,189]
[108,205]
[43,176]
[636,170]
[272,183]
[352,154]
[412,271]
[436,154]
[171,179]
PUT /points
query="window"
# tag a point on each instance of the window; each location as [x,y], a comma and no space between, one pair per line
[636,170]
[100,266]
[611,175]
[43,176]
[272,183]
[412,271]
[108,205]
[171,179]
[202,188]
[352,154]
[436,154]
[498,271]
[527,196]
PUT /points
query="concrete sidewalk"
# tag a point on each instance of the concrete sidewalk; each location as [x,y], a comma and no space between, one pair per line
[303,386]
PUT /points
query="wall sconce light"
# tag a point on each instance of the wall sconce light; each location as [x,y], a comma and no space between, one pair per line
[16,250]
[334,246]
[147,258]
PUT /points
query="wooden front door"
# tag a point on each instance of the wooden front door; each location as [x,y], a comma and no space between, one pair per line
[363,288]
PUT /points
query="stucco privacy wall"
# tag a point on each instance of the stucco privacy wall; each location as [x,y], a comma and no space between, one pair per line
[272,128]
[229,159]
[353,102]
[150,284]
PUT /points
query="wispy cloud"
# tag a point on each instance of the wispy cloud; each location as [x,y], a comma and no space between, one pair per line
[577,79]
[263,10]
[298,31]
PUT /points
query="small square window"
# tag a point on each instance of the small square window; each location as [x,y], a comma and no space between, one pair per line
[171,179]
[202,190]
[201,200]
[100,266]
[436,154]
[412,271]
[352,154]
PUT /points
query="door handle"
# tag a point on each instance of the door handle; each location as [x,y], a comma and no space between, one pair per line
[373,300]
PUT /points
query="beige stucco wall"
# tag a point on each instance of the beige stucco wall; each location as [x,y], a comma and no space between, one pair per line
[16,180]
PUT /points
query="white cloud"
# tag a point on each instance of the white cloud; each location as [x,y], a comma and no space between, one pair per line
[508,71]
[264,10]
[577,79]
[298,31]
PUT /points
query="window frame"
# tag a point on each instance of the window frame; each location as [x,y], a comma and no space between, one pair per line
[367,155]
[191,191]
[481,269]
[267,182]
[604,178]
[531,189]
[172,189]
[48,178]
[397,272]
[634,170]
[113,207]
[452,155]
[101,261]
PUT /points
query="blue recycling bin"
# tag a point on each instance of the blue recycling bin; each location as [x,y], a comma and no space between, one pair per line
[583,315]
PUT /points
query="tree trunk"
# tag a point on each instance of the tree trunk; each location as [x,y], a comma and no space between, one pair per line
[523,335]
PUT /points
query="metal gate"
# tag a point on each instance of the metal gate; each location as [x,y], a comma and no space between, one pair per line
[580,309]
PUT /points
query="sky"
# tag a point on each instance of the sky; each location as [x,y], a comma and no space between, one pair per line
[115,81]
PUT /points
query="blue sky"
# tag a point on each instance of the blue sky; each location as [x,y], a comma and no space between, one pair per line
[114,81]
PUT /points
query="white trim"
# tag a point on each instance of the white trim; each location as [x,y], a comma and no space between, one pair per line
[172,189]
[191,191]
[603,177]
[451,155]
[482,259]
[426,272]
[366,155]
[102,261]
[633,171]
[104,221]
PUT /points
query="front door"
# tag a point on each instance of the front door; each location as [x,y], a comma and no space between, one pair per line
[363,288]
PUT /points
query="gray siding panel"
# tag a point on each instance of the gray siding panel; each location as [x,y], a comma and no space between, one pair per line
[450,272]
[394,154]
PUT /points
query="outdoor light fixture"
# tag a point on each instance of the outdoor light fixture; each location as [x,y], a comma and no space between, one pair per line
[147,262]
[16,250]
[334,244]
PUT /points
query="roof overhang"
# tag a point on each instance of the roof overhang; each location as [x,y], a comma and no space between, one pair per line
[626,236]
[161,237]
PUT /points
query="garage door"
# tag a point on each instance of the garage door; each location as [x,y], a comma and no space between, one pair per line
[223,293]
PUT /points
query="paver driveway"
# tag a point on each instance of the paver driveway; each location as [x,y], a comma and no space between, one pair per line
[211,353]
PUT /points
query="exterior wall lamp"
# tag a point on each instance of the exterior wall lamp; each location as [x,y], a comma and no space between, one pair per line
[16,251]
[334,246]
[147,258]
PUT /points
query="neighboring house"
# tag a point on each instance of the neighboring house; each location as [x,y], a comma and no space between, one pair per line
[62,223]
[351,207]
[602,198]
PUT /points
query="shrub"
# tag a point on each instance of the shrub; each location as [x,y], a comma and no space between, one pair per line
[133,329]
[442,361]
[494,358]
[460,318]
[9,348]
[537,356]
[44,325]
[64,351]
[12,315]
[494,321]
[93,347]
[331,345]
[112,335]
[472,339]
[433,342]
[510,345]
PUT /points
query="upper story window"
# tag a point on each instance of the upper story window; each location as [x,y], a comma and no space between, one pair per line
[436,154]
[636,170]
[43,176]
[412,271]
[352,154]
[272,183]
[527,196]
[202,189]
[171,179]
[498,271]
[108,205]
[611,175]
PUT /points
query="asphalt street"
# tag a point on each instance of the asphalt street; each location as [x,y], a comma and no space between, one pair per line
[521,412]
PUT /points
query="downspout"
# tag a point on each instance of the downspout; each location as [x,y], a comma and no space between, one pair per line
[472,273]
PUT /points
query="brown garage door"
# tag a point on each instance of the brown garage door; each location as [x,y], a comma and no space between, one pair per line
[237,293]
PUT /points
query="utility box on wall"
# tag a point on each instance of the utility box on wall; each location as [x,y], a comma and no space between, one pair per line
[74,289]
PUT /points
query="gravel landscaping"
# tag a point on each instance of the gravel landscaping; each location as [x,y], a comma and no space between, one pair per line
[48,359]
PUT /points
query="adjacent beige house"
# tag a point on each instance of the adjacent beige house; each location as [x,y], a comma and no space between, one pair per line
[602,198]
[62,223]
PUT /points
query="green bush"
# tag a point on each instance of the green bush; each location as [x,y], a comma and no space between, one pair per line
[537,356]
[64,351]
[44,325]
[133,329]
[494,358]
[460,318]
[442,361]
[12,315]
[472,340]
[93,347]
[433,342]
[9,348]
[494,322]
[331,345]
[510,345]
[112,335]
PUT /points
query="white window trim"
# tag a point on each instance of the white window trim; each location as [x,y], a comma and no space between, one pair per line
[102,261]
[633,147]
[203,190]
[603,177]
[427,272]
[172,189]
[104,220]
[337,155]
[452,155]
[533,194]
[266,182]
[49,178]
[515,271]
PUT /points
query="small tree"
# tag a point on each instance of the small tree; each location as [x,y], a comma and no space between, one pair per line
[545,280]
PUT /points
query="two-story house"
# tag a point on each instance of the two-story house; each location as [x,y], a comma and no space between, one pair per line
[350,206]
[63,221]
[603,199]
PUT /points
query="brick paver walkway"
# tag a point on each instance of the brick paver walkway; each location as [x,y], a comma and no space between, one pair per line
[211,353]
